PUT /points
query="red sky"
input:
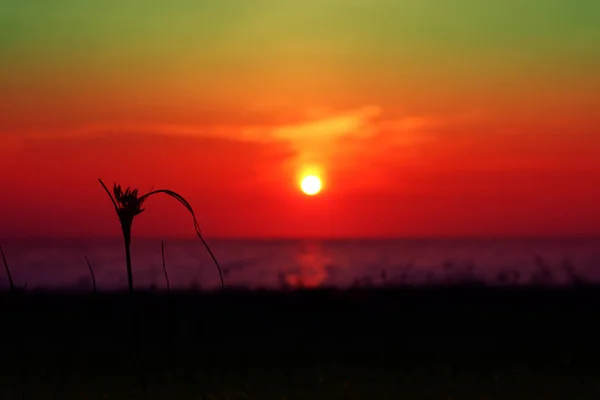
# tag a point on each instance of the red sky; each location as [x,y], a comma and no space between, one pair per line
[382,178]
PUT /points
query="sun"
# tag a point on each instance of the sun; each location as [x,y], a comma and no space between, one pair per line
[311,185]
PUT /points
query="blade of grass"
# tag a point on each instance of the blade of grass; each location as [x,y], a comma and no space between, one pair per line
[188,206]
[10,280]
[109,195]
[91,273]
[162,252]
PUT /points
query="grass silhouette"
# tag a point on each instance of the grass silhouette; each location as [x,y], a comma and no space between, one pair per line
[10,280]
[420,343]
[505,339]
[128,205]
[164,265]
[91,273]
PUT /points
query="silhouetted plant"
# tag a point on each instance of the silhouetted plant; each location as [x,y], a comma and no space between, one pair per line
[128,204]
[91,273]
[13,287]
[164,265]
[10,280]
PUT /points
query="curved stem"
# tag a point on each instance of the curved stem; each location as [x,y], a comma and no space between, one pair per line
[10,280]
[188,206]
[164,264]
[127,240]
[89,264]
[110,196]
[215,261]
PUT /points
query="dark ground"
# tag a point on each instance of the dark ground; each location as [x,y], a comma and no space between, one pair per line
[405,343]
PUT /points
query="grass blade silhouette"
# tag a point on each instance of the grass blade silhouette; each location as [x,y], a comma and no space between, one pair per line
[10,280]
[162,252]
[91,273]
[188,206]
[127,205]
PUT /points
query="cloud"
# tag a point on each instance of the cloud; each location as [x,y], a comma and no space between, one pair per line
[333,137]
[353,123]
[323,138]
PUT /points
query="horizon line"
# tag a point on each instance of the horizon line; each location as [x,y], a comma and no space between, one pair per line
[315,238]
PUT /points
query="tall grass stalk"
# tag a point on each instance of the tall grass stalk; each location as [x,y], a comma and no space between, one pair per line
[10,279]
[128,205]
[91,273]
[164,265]
[20,341]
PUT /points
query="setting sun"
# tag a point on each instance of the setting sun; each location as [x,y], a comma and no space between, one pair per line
[311,185]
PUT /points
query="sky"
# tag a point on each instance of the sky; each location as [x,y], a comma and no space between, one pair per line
[423,118]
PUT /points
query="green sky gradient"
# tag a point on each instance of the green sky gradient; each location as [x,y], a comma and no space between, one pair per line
[426,57]
[132,38]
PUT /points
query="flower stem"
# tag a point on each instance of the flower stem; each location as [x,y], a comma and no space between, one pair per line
[127,240]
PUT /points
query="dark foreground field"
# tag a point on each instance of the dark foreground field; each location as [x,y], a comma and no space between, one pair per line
[444,343]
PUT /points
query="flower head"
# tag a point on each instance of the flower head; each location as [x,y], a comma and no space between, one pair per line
[127,200]
[127,203]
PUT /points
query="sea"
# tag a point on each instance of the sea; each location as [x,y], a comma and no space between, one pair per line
[60,264]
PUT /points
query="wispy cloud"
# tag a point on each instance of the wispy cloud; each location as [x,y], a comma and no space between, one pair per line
[325,138]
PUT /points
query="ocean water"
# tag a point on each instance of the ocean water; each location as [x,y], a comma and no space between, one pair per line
[274,264]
